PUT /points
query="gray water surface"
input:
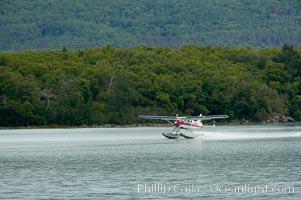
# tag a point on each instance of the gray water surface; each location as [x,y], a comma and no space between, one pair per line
[228,162]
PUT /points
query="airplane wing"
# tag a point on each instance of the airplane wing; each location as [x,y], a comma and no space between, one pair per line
[210,117]
[202,117]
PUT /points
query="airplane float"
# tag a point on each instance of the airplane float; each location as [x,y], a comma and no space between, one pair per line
[184,126]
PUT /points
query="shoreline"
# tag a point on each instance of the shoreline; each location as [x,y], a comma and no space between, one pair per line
[232,123]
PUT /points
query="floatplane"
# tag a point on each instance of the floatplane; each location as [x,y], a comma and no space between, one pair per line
[184,126]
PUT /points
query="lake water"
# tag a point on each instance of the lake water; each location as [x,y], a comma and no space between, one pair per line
[228,162]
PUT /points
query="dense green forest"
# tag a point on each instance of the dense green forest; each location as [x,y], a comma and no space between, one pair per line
[77,24]
[113,85]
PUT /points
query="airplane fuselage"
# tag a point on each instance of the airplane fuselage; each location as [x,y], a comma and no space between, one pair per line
[187,123]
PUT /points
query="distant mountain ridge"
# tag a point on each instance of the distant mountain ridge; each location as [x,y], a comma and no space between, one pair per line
[76,24]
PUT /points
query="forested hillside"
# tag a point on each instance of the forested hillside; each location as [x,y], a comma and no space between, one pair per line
[113,86]
[77,24]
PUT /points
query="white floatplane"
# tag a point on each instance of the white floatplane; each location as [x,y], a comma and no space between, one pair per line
[184,126]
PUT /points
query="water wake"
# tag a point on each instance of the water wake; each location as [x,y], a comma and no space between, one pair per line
[251,132]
